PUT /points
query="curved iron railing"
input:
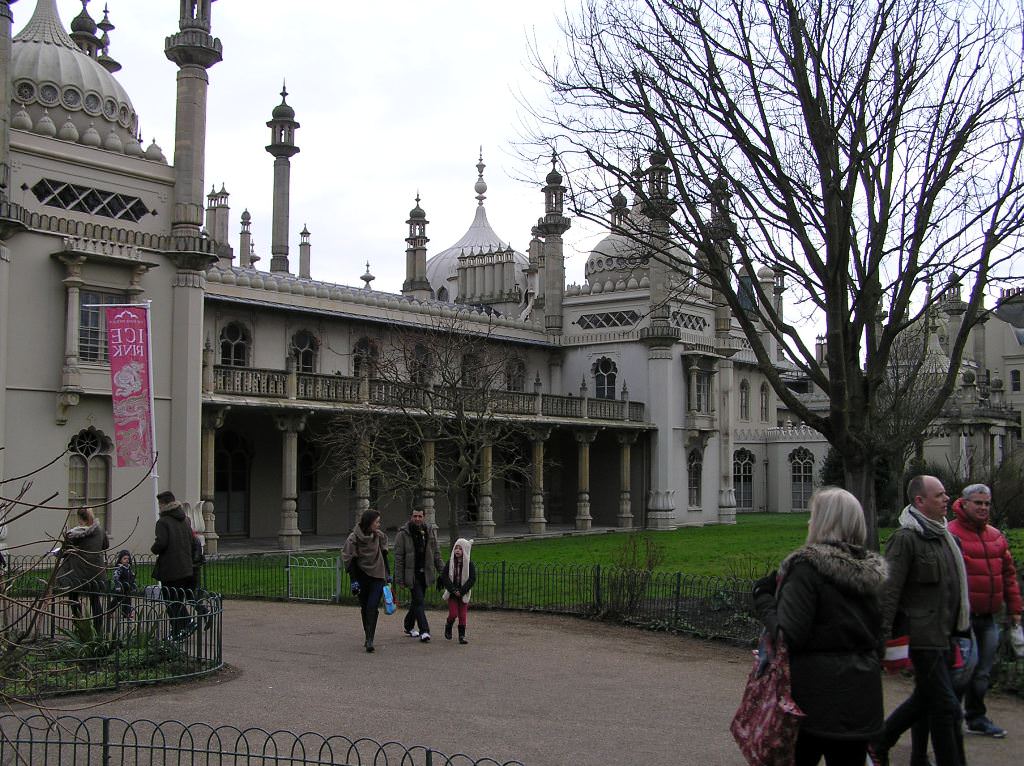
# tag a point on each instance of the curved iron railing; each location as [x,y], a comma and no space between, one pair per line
[101,740]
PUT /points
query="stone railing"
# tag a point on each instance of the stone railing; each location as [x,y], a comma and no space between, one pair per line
[341,389]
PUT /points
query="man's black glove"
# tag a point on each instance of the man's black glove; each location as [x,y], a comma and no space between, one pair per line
[766,585]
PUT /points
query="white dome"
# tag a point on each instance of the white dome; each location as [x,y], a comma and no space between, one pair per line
[48,71]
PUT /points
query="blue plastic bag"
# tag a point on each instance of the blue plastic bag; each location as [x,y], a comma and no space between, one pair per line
[389,601]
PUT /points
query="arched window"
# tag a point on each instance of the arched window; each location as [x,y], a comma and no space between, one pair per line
[694,469]
[1015,380]
[304,349]
[744,400]
[89,472]
[234,345]
[420,365]
[232,460]
[365,358]
[764,403]
[802,472]
[470,372]
[442,294]
[743,479]
[515,374]
[604,370]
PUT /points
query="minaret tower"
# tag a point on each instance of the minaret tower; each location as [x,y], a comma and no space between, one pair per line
[194,50]
[552,226]
[282,146]
[416,284]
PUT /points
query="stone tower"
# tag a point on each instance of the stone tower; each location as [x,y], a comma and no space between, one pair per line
[282,146]
[552,226]
[416,284]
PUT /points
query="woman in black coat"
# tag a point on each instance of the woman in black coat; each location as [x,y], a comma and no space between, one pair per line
[825,600]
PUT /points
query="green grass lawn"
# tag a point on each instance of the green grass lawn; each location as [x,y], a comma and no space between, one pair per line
[751,547]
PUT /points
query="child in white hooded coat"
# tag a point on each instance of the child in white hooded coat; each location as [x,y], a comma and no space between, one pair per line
[457,578]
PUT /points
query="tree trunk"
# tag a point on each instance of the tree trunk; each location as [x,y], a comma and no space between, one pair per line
[860,482]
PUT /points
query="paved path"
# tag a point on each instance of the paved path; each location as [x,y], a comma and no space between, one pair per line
[548,691]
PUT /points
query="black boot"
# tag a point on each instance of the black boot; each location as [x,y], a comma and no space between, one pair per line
[462,635]
[371,629]
[448,629]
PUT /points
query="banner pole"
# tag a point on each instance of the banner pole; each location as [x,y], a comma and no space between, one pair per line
[154,452]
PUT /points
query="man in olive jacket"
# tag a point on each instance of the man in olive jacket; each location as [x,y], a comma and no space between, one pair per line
[925,598]
[417,562]
[173,549]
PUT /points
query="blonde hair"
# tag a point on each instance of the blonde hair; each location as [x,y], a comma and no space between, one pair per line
[836,517]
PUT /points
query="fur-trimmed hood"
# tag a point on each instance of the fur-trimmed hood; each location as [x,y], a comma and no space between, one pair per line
[850,567]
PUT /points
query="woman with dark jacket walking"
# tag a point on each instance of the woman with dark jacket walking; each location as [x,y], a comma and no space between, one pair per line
[825,600]
[457,578]
[365,556]
[81,565]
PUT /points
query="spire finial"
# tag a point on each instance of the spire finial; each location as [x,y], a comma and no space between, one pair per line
[481,185]
[284,90]
[367,277]
[554,158]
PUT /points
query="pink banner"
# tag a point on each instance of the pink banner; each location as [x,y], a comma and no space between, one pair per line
[131,376]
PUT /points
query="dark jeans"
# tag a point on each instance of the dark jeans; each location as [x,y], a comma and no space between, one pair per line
[934,700]
[417,615]
[371,591]
[95,605]
[986,633]
[810,749]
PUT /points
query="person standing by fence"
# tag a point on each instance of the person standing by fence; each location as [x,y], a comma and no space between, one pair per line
[826,602]
[417,562]
[81,565]
[457,578]
[173,568]
[365,557]
[992,585]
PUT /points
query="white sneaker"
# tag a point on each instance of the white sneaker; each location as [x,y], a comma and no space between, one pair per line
[424,637]
[412,633]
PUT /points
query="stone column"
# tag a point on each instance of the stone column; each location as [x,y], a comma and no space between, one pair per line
[362,478]
[70,377]
[5,285]
[290,426]
[726,490]
[485,509]
[584,438]
[538,523]
[427,490]
[213,419]
[668,474]
[626,441]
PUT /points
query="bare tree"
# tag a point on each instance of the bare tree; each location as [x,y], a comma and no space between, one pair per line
[442,417]
[859,150]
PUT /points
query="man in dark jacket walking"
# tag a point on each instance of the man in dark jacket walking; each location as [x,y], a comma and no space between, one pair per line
[173,549]
[992,584]
[925,598]
[417,562]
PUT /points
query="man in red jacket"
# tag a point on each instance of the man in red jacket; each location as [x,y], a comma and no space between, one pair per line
[992,584]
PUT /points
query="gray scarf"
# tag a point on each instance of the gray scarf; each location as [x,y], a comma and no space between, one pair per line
[913,519]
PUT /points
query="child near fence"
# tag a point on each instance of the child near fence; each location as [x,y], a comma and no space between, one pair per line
[456,580]
[123,585]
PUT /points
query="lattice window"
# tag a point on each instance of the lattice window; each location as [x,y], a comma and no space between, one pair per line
[689,321]
[1015,380]
[234,345]
[802,471]
[700,393]
[608,319]
[470,371]
[304,349]
[92,323]
[89,472]
[694,469]
[421,365]
[604,370]
[743,479]
[86,199]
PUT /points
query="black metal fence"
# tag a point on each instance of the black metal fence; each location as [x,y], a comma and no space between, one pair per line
[53,644]
[39,739]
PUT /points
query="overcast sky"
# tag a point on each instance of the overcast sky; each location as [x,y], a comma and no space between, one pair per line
[391,97]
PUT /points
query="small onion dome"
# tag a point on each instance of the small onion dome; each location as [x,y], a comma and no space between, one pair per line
[91,137]
[658,158]
[246,217]
[68,131]
[133,147]
[765,274]
[283,111]
[417,213]
[619,200]
[113,142]
[21,120]
[554,178]
[83,22]
[153,152]
[45,126]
